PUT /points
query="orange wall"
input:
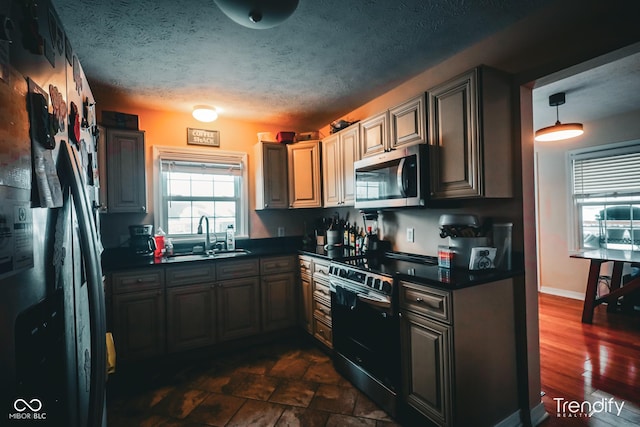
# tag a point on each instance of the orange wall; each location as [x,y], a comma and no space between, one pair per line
[169,128]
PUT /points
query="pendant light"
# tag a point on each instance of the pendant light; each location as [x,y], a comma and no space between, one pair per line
[558,131]
[258,14]
[204,113]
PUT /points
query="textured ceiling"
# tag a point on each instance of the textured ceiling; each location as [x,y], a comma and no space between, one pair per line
[330,57]
[604,87]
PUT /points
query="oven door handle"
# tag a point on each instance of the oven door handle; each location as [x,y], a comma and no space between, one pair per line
[333,284]
[374,302]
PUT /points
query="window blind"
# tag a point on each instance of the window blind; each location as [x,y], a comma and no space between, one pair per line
[218,167]
[611,174]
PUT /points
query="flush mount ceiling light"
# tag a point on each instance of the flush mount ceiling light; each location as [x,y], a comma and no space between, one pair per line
[204,113]
[558,131]
[258,14]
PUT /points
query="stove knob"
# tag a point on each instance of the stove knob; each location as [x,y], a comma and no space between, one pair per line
[386,287]
[376,284]
[342,272]
[369,281]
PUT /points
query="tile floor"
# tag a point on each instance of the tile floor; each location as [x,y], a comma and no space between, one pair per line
[283,384]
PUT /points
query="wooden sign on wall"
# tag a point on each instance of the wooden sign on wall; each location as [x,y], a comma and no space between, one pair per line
[203,137]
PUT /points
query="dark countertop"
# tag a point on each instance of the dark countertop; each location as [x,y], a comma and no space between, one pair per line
[114,259]
[424,270]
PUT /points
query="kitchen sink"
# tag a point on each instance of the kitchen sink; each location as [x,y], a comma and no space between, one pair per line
[221,254]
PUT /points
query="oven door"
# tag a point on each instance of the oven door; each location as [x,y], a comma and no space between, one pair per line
[366,332]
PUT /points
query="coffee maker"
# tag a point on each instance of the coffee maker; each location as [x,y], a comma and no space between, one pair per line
[141,241]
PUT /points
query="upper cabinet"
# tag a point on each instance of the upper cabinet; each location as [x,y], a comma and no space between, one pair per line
[400,126]
[271,176]
[374,134]
[304,175]
[124,188]
[407,122]
[470,135]
[340,151]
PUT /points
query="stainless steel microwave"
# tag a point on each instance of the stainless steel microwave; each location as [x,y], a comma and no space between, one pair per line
[393,179]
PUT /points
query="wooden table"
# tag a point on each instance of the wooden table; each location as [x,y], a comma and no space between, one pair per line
[598,257]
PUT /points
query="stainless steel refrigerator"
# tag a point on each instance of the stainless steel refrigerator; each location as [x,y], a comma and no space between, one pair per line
[52,316]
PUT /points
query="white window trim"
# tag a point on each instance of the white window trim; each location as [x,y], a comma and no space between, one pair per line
[574,220]
[198,154]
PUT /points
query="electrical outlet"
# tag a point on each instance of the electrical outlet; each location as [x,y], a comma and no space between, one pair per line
[410,235]
[280,231]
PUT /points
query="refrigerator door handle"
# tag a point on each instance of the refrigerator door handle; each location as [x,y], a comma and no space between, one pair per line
[91,250]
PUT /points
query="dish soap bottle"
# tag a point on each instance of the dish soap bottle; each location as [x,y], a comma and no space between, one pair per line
[231,239]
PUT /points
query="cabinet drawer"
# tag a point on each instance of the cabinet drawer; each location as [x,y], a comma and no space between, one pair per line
[305,265]
[429,302]
[321,290]
[278,264]
[191,274]
[321,268]
[322,310]
[322,332]
[238,268]
[137,280]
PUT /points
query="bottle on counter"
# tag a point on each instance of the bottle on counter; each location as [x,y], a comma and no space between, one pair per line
[345,237]
[231,238]
[168,246]
[160,243]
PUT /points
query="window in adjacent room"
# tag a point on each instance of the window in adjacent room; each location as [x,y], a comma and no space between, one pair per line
[193,183]
[606,196]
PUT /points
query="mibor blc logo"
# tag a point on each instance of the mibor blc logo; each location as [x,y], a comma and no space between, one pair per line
[27,410]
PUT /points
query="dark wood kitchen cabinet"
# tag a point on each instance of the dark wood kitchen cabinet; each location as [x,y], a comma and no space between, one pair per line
[191,306]
[305,294]
[407,123]
[470,135]
[123,187]
[340,151]
[138,313]
[303,166]
[322,320]
[459,354]
[315,299]
[271,176]
[238,294]
[374,134]
[277,286]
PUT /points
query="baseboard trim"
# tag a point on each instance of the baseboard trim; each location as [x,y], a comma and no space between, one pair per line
[513,420]
[538,414]
[562,293]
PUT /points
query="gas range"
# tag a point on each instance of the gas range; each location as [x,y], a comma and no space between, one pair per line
[377,273]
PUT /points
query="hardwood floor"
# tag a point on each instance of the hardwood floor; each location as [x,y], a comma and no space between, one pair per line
[597,363]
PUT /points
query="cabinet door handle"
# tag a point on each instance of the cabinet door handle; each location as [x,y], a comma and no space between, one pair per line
[143,208]
[266,205]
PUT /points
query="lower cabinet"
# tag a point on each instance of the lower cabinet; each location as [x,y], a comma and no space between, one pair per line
[459,354]
[278,301]
[191,316]
[427,377]
[305,300]
[191,306]
[278,292]
[183,306]
[238,308]
[139,324]
[138,313]
[315,298]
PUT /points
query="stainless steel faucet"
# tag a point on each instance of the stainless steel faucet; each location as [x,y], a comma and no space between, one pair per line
[207,241]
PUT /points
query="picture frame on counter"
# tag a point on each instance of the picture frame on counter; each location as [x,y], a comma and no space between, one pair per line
[210,138]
